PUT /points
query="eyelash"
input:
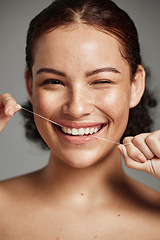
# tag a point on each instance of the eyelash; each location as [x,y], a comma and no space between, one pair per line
[103,82]
[52,81]
[58,82]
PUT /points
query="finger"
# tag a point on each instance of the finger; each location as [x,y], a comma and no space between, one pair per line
[153,143]
[129,162]
[18,107]
[12,109]
[139,142]
[3,98]
[4,104]
[149,166]
[132,151]
[9,104]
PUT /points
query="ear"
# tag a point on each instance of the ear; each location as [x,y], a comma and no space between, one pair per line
[137,86]
[29,83]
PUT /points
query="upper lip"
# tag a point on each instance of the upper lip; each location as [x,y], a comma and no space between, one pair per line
[81,125]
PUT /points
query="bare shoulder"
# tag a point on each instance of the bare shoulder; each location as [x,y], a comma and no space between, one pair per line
[16,189]
[143,195]
[18,193]
[17,203]
[139,207]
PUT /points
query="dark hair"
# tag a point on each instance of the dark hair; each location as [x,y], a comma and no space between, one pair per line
[106,16]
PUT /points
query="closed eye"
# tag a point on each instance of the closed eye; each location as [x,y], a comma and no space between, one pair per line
[102,82]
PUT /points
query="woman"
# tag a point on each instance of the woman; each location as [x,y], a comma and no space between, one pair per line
[84,73]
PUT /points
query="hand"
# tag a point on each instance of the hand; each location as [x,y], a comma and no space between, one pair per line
[142,152]
[8,106]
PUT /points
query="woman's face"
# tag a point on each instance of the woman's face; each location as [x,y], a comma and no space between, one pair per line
[80,81]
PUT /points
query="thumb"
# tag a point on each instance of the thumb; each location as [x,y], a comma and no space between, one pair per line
[122,150]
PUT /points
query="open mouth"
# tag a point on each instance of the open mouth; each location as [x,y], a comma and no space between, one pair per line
[81,131]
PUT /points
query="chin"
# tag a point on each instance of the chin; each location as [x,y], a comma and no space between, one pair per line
[82,158]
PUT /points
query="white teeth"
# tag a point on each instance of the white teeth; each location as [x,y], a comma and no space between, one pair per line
[91,131]
[95,130]
[80,131]
[86,131]
[64,130]
[75,132]
[69,131]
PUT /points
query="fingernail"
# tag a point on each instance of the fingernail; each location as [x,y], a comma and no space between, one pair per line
[141,158]
[18,107]
[10,111]
[120,149]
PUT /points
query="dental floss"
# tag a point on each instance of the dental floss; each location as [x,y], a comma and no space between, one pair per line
[62,126]
[41,116]
[112,141]
[107,140]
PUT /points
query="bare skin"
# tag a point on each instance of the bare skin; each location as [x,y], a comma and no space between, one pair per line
[30,209]
[83,192]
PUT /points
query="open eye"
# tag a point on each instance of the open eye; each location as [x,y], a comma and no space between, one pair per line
[52,81]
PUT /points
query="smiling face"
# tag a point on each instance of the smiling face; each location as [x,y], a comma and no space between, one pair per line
[81,81]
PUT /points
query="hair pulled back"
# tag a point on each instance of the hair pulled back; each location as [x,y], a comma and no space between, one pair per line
[106,16]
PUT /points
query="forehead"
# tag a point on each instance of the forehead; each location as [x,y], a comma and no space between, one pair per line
[78,45]
[80,33]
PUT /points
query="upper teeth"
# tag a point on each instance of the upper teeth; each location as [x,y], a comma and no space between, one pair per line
[80,131]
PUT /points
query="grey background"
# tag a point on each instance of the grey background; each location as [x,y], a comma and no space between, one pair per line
[17,155]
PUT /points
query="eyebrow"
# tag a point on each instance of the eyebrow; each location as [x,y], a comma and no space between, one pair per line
[88,74]
[105,69]
[51,70]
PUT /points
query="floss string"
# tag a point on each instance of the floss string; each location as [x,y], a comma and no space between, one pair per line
[40,116]
[62,126]
[112,141]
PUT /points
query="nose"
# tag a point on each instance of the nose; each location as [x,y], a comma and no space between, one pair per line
[79,103]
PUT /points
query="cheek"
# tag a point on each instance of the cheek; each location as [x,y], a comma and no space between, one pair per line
[115,105]
[45,103]
[116,101]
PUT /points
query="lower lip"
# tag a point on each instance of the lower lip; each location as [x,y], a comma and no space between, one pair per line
[78,139]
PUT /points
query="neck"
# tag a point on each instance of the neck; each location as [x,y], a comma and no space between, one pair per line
[95,182]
